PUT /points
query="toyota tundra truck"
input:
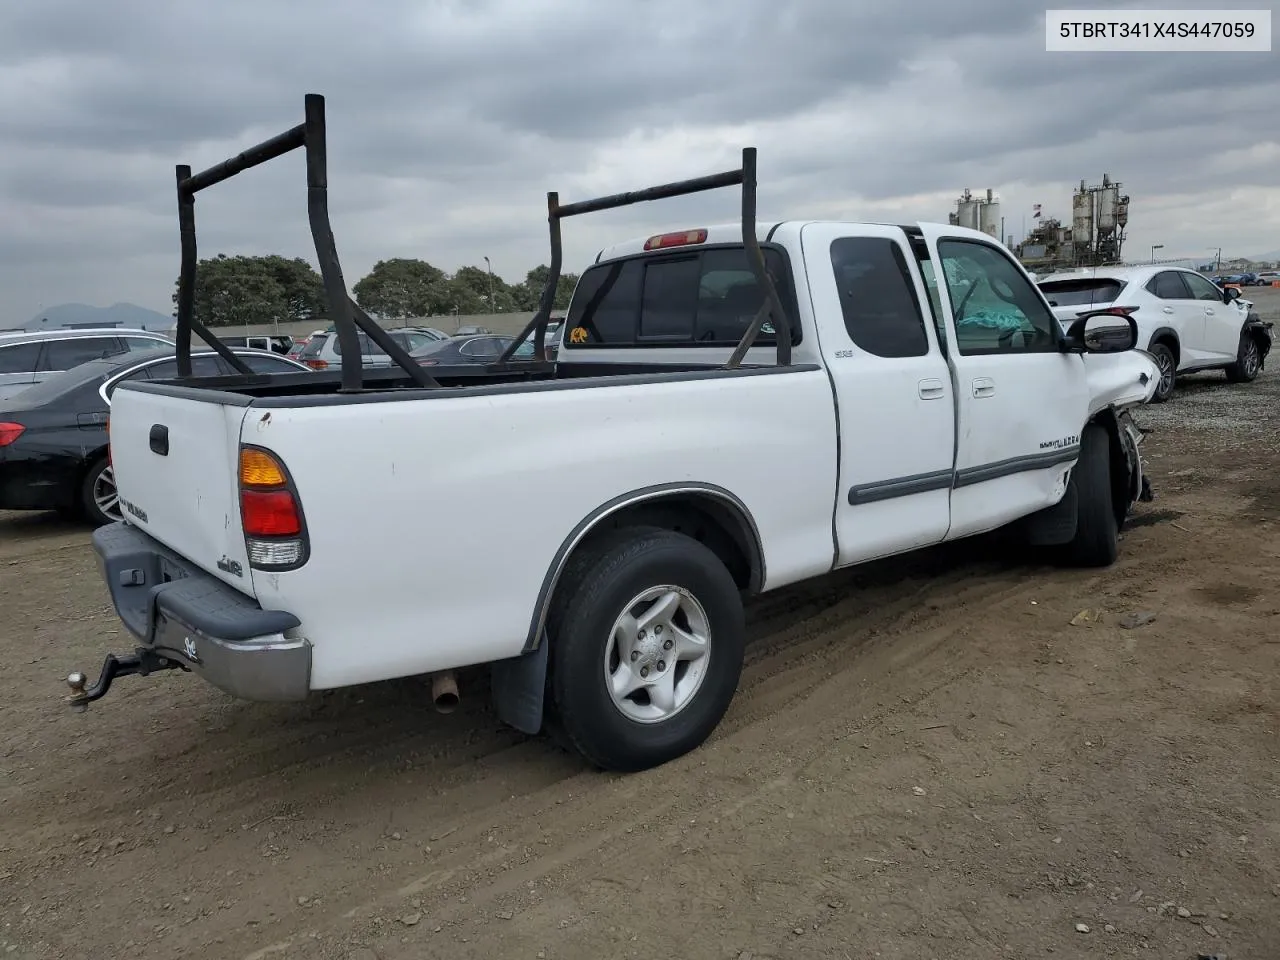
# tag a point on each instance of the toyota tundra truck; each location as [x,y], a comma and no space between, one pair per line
[732,409]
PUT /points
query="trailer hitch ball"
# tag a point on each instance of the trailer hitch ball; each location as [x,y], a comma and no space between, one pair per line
[77,701]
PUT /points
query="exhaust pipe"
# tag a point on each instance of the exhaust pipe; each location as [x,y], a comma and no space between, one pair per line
[444,691]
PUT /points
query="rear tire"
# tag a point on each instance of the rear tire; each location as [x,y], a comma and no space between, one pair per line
[1248,361]
[1168,372]
[99,501]
[630,694]
[1096,543]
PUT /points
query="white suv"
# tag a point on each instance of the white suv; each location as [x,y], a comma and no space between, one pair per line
[1185,321]
[28,358]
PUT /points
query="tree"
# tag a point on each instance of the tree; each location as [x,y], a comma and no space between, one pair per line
[536,279]
[302,286]
[235,291]
[403,288]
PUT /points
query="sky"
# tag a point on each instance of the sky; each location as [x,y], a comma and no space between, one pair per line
[449,120]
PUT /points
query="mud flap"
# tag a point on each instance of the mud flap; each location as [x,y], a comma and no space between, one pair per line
[1053,526]
[518,686]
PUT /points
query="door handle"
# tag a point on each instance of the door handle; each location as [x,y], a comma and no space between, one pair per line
[931,389]
[984,387]
[1168,310]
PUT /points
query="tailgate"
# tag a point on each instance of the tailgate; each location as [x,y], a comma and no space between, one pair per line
[176,462]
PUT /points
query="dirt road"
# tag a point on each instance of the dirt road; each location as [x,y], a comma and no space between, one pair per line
[928,758]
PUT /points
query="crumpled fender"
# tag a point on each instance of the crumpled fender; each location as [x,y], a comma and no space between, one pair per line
[1120,380]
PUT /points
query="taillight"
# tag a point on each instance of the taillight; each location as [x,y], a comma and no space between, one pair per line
[427,362]
[270,514]
[10,432]
[318,364]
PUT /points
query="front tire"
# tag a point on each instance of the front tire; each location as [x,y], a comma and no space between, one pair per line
[1168,371]
[1248,361]
[647,642]
[99,500]
[1096,542]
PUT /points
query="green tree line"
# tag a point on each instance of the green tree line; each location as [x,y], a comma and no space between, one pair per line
[239,290]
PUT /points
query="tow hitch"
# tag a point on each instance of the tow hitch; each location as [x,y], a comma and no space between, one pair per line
[143,662]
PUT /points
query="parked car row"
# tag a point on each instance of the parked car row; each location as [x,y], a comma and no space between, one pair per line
[1185,322]
[53,435]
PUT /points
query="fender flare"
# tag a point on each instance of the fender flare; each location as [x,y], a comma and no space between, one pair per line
[518,684]
[663,491]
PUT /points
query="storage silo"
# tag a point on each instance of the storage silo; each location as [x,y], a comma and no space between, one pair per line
[989,216]
[1082,216]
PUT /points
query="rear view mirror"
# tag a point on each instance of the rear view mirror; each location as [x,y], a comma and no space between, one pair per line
[1103,331]
[1230,293]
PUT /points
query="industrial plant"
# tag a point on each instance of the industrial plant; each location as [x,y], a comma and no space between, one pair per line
[978,213]
[1099,216]
[1094,237]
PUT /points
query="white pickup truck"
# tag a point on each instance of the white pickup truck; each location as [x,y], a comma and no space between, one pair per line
[733,409]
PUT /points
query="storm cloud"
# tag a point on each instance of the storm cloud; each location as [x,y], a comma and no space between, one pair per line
[449,121]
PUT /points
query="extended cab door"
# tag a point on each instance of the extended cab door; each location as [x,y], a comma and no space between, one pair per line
[1022,402]
[894,399]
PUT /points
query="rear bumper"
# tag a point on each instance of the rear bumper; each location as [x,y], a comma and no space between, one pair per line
[180,612]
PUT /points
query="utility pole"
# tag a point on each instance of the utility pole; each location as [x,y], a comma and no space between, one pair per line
[1217,267]
[492,306]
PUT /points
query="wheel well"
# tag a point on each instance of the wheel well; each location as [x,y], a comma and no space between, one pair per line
[1121,477]
[706,518]
[1170,340]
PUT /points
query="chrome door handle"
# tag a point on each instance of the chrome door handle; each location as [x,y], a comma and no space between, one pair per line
[984,387]
[931,389]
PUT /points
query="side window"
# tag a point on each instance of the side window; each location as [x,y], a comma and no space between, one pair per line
[996,308]
[1202,289]
[1167,285]
[878,298]
[482,348]
[20,358]
[65,354]
[204,365]
[142,343]
[260,363]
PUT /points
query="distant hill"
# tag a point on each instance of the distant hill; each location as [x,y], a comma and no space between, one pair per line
[1265,257]
[82,315]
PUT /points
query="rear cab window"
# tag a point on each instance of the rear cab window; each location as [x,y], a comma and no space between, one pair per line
[705,298]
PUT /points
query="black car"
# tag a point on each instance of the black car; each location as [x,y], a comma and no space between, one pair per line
[53,436]
[460,350]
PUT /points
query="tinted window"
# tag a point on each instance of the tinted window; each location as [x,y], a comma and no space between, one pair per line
[483,348]
[708,299]
[729,297]
[1081,293]
[1202,289]
[204,365]
[65,354]
[877,297]
[20,358]
[314,346]
[996,309]
[1168,286]
[261,363]
[606,304]
[669,304]
[143,343]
